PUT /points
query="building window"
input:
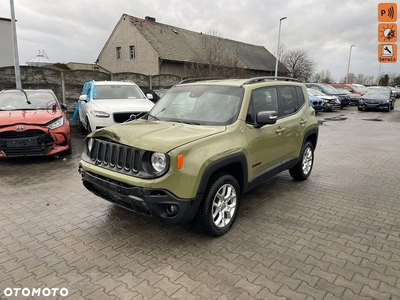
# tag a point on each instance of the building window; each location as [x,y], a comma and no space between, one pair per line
[132,53]
[119,54]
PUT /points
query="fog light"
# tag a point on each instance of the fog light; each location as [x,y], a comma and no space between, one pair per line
[172,210]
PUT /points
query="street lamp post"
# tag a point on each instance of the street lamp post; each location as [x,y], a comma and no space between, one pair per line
[277,51]
[348,65]
[15,47]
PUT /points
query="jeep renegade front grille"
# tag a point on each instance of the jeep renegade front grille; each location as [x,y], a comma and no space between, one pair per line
[115,156]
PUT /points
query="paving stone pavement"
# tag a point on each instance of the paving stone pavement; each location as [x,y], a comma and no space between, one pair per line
[334,236]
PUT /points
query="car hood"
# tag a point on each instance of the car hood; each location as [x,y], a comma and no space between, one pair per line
[33,117]
[313,98]
[156,136]
[121,105]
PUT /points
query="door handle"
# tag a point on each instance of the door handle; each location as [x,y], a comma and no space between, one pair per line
[303,121]
[280,130]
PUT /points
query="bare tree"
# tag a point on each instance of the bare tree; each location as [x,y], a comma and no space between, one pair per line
[214,59]
[323,77]
[299,63]
[364,79]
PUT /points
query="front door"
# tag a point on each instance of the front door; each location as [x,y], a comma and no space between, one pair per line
[266,144]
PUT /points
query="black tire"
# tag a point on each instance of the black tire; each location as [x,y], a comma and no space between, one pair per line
[359,108]
[214,203]
[83,129]
[388,109]
[303,168]
[88,127]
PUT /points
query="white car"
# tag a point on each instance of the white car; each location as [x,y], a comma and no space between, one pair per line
[111,102]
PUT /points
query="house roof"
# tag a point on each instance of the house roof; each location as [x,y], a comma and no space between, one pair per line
[178,44]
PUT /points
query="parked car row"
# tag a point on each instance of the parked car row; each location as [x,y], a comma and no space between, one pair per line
[35,123]
[339,95]
[329,90]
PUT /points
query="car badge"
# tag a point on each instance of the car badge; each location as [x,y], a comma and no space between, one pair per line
[20,128]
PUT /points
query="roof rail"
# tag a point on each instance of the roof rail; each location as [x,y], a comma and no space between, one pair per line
[189,80]
[264,78]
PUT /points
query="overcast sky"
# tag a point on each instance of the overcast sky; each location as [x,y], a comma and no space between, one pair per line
[76,30]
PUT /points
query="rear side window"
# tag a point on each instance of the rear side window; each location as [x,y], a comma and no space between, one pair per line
[291,100]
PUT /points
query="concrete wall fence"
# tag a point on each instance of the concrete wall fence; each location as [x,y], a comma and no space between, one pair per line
[67,84]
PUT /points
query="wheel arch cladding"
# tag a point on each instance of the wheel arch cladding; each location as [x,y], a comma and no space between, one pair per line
[235,165]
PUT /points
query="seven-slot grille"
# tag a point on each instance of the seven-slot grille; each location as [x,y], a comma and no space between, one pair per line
[115,156]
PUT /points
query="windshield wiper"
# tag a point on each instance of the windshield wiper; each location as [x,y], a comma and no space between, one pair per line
[155,116]
[186,122]
[26,96]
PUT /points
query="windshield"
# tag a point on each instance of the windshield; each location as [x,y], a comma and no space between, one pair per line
[378,93]
[360,88]
[107,92]
[36,100]
[199,105]
[330,89]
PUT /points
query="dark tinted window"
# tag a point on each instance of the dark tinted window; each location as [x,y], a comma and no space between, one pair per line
[264,99]
[289,100]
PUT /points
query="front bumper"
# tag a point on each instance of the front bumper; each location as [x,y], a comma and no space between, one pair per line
[158,203]
[33,141]
[354,101]
[374,106]
[332,106]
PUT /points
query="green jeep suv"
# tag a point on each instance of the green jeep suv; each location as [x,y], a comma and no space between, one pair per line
[200,147]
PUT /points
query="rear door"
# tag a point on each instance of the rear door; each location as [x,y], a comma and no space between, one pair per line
[293,117]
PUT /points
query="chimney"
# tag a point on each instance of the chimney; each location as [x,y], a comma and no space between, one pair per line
[150,19]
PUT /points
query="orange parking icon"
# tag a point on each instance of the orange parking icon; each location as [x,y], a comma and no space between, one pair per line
[387,12]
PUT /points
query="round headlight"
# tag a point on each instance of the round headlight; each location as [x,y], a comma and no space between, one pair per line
[159,161]
[90,144]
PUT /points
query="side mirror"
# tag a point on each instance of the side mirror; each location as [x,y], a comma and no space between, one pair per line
[265,117]
[64,106]
[149,96]
[83,98]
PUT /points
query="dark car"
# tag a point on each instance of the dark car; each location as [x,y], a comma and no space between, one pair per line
[32,123]
[354,97]
[331,91]
[377,98]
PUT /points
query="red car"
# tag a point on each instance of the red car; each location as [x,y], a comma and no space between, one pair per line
[33,123]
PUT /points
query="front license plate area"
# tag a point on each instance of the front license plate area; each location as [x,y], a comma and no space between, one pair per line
[20,143]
